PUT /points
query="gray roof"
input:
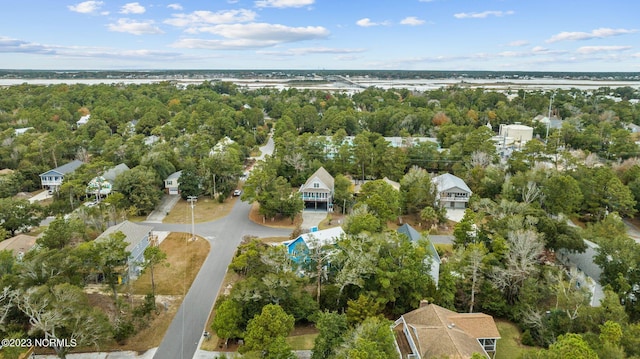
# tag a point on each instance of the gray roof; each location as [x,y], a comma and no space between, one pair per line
[113,172]
[134,233]
[175,175]
[584,261]
[415,236]
[323,176]
[68,167]
[447,181]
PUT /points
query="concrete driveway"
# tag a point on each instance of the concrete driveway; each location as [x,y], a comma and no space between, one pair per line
[165,206]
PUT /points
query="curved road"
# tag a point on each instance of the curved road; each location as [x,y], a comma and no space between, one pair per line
[224,235]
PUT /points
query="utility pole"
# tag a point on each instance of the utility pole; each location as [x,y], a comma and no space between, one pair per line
[546,138]
[192,200]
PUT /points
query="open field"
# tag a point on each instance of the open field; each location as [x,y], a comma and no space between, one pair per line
[206,210]
[509,345]
[277,222]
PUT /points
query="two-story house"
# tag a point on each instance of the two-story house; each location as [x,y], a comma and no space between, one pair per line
[172,183]
[433,258]
[451,191]
[137,237]
[317,192]
[432,331]
[52,179]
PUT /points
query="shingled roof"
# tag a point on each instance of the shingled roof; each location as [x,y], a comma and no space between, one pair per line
[439,332]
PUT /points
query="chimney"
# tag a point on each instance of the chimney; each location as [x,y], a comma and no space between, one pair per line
[424,303]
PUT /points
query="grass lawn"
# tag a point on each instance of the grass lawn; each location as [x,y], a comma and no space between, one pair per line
[276,222]
[302,342]
[172,282]
[509,345]
[206,210]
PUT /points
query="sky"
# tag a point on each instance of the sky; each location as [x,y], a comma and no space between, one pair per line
[452,35]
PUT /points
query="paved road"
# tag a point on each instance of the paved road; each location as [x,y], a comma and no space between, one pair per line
[224,235]
[267,149]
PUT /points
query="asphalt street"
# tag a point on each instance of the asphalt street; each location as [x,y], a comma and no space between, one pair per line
[225,234]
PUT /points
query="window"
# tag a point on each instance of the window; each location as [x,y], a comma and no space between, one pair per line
[316,185]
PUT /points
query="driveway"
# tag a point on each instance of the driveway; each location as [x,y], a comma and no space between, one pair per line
[267,149]
[40,197]
[165,206]
[312,218]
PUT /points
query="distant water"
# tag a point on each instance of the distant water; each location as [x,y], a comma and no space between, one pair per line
[356,84]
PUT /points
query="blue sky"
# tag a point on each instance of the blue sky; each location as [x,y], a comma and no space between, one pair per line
[498,35]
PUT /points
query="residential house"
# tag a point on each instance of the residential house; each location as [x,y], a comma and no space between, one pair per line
[221,146]
[434,258]
[21,131]
[358,183]
[521,134]
[52,179]
[18,245]
[632,127]
[452,192]
[138,238]
[588,271]
[432,331]
[317,192]
[150,140]
[103,185]
[172,182]
[83,120]
[299,248]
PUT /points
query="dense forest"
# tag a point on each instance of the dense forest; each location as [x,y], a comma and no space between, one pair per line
[503,260]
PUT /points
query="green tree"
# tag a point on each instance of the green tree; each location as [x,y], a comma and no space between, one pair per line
[371,339]
[266,333]
[18,214]
[343,196]
[332,328]
[362,220]
[228,320]
[567,346]
[562,194]
[417,191]
[140,189]
[154,256]
[112,259]
[59,233]
[360,309]
[381,198]
[190,185]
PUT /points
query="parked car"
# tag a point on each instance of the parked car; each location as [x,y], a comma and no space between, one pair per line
[237,192]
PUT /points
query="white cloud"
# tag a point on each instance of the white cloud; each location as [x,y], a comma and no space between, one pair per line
[200,18]
[518,43]
[135,27]
[311,50]
[10,45]
[266,32]
[482,15]
[132,8]
[411,20]
[595,49]
[594,34]
[175,6]
[252,35]
[366,22]
[86,7]
[283,3]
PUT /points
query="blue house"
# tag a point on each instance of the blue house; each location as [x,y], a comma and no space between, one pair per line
[434,259]
[299,248]
[52,179]
[137,237]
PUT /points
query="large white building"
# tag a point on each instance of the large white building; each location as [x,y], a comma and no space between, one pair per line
[521,134]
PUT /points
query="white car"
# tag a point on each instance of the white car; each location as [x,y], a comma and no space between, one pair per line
[237,192]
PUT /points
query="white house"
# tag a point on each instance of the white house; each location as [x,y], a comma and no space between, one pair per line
[172,182]
[103,185]
[451,191]
[83,120]
[520,133]
[52,179]
[317,192]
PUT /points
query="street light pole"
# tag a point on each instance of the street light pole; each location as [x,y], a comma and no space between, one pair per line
[192,200]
